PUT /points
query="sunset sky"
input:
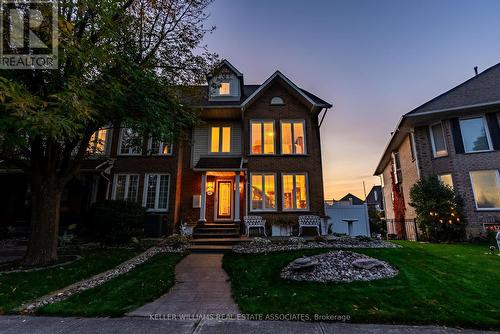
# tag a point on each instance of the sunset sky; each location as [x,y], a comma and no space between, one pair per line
[373,60]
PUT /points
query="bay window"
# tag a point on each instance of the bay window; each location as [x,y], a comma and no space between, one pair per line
[438,141]
[293,140]
[130,142]
[475,134]
[262,137]
[263,187]
[126,186]
[486,188]
[295,193]
[155,197]
[220,139]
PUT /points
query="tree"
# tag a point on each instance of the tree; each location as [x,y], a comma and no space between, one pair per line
[119,65]
[439,210]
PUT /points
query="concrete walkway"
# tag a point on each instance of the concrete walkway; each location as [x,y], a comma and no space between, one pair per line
[202,287]
[52,325]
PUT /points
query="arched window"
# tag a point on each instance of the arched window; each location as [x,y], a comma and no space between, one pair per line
[277,101]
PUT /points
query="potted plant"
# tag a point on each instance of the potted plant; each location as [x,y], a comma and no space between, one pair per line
[282,227]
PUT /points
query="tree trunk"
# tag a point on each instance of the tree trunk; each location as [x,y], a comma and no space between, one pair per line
[46,199]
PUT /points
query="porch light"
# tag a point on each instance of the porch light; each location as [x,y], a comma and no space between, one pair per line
[210,188]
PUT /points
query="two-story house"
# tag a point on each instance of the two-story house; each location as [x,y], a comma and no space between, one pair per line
[455,136]
[256,151]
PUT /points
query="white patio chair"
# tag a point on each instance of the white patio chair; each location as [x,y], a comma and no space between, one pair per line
[254,221]
[309,221]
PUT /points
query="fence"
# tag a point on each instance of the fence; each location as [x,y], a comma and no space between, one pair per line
[339,211]
[410,228]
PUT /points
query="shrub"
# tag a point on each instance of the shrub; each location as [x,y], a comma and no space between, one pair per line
[176,241]
[439,210]
[116,222]
[260,241]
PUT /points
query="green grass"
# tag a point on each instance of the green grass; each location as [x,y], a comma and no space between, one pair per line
[120,295]
[18,288]
[453,285]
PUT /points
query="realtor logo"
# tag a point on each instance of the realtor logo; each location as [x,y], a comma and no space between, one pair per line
[29,34]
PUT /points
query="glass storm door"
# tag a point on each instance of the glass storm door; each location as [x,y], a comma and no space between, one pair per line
[224,199]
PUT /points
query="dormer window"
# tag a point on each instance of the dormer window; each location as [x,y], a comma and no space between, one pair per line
[277,101]
[224,88]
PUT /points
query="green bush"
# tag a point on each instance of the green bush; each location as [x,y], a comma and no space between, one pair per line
[116,222]
[439,210]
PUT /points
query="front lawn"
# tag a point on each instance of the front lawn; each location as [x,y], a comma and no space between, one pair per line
[125,293]
[21,287]
[453,285]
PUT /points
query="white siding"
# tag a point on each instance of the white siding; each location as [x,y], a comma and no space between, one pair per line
[234,86]
[201,145]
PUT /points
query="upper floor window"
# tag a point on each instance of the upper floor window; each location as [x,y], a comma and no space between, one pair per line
[126,186]
[263,191]
[155,197]
[130,142]
[295,194]
[97,143]
[447,179]
[262,137]
[225,88]
[438,141]
[396,165]
[293,140]
[277,101]
[486,188]
[157,147]
[220,139]
[475,134]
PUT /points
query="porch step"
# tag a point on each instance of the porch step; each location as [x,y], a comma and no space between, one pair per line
[216,231]
[216,241]
[210,248]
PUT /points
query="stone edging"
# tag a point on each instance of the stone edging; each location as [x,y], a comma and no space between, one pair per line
[77,257]
[95,280]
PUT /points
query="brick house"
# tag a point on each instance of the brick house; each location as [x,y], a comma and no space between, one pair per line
[256,152]
[455,136]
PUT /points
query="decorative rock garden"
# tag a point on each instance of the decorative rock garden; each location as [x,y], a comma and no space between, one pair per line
[337,266]
[261,245]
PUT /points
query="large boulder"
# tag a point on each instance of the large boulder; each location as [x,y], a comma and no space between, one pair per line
[367,263]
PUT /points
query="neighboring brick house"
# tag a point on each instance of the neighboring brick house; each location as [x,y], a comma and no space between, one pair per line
[256,152]
[455,136]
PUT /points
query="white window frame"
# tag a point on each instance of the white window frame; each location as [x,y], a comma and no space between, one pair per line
[486,130]
[127,184]
[497,172]
[92,149]
[292,121]
[120,140]
[157,192]
[262,135]
[220,87]
[450,174]
[433,144]
[294,191]
[160,150]
[220,139]
[264,209]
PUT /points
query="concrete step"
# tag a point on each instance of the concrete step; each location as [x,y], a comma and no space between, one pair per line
[216,241]
[197,235]
[217,230]
[210,248]
[218,225]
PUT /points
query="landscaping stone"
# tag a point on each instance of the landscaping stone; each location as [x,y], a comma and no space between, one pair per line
[340,266]
[303,263]
[97,280]
[296,243]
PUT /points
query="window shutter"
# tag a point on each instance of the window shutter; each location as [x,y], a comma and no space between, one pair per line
[494,128]
[457,136]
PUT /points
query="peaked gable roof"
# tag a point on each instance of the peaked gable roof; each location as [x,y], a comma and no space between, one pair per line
[227,64]
[310,98]
[355,200]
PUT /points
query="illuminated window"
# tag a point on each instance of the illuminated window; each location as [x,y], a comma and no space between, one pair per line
[262,132]
[263,192]
[220,139]
[97,143]
[125,187]
[446,179]
[224,88]
[155,197]
[130,142]
[156,147]
[486,188]
[277,101]
[475,134]
[438,141]
[295,192]
[293,140]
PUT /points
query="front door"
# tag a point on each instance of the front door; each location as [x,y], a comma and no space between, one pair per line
[224,200]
